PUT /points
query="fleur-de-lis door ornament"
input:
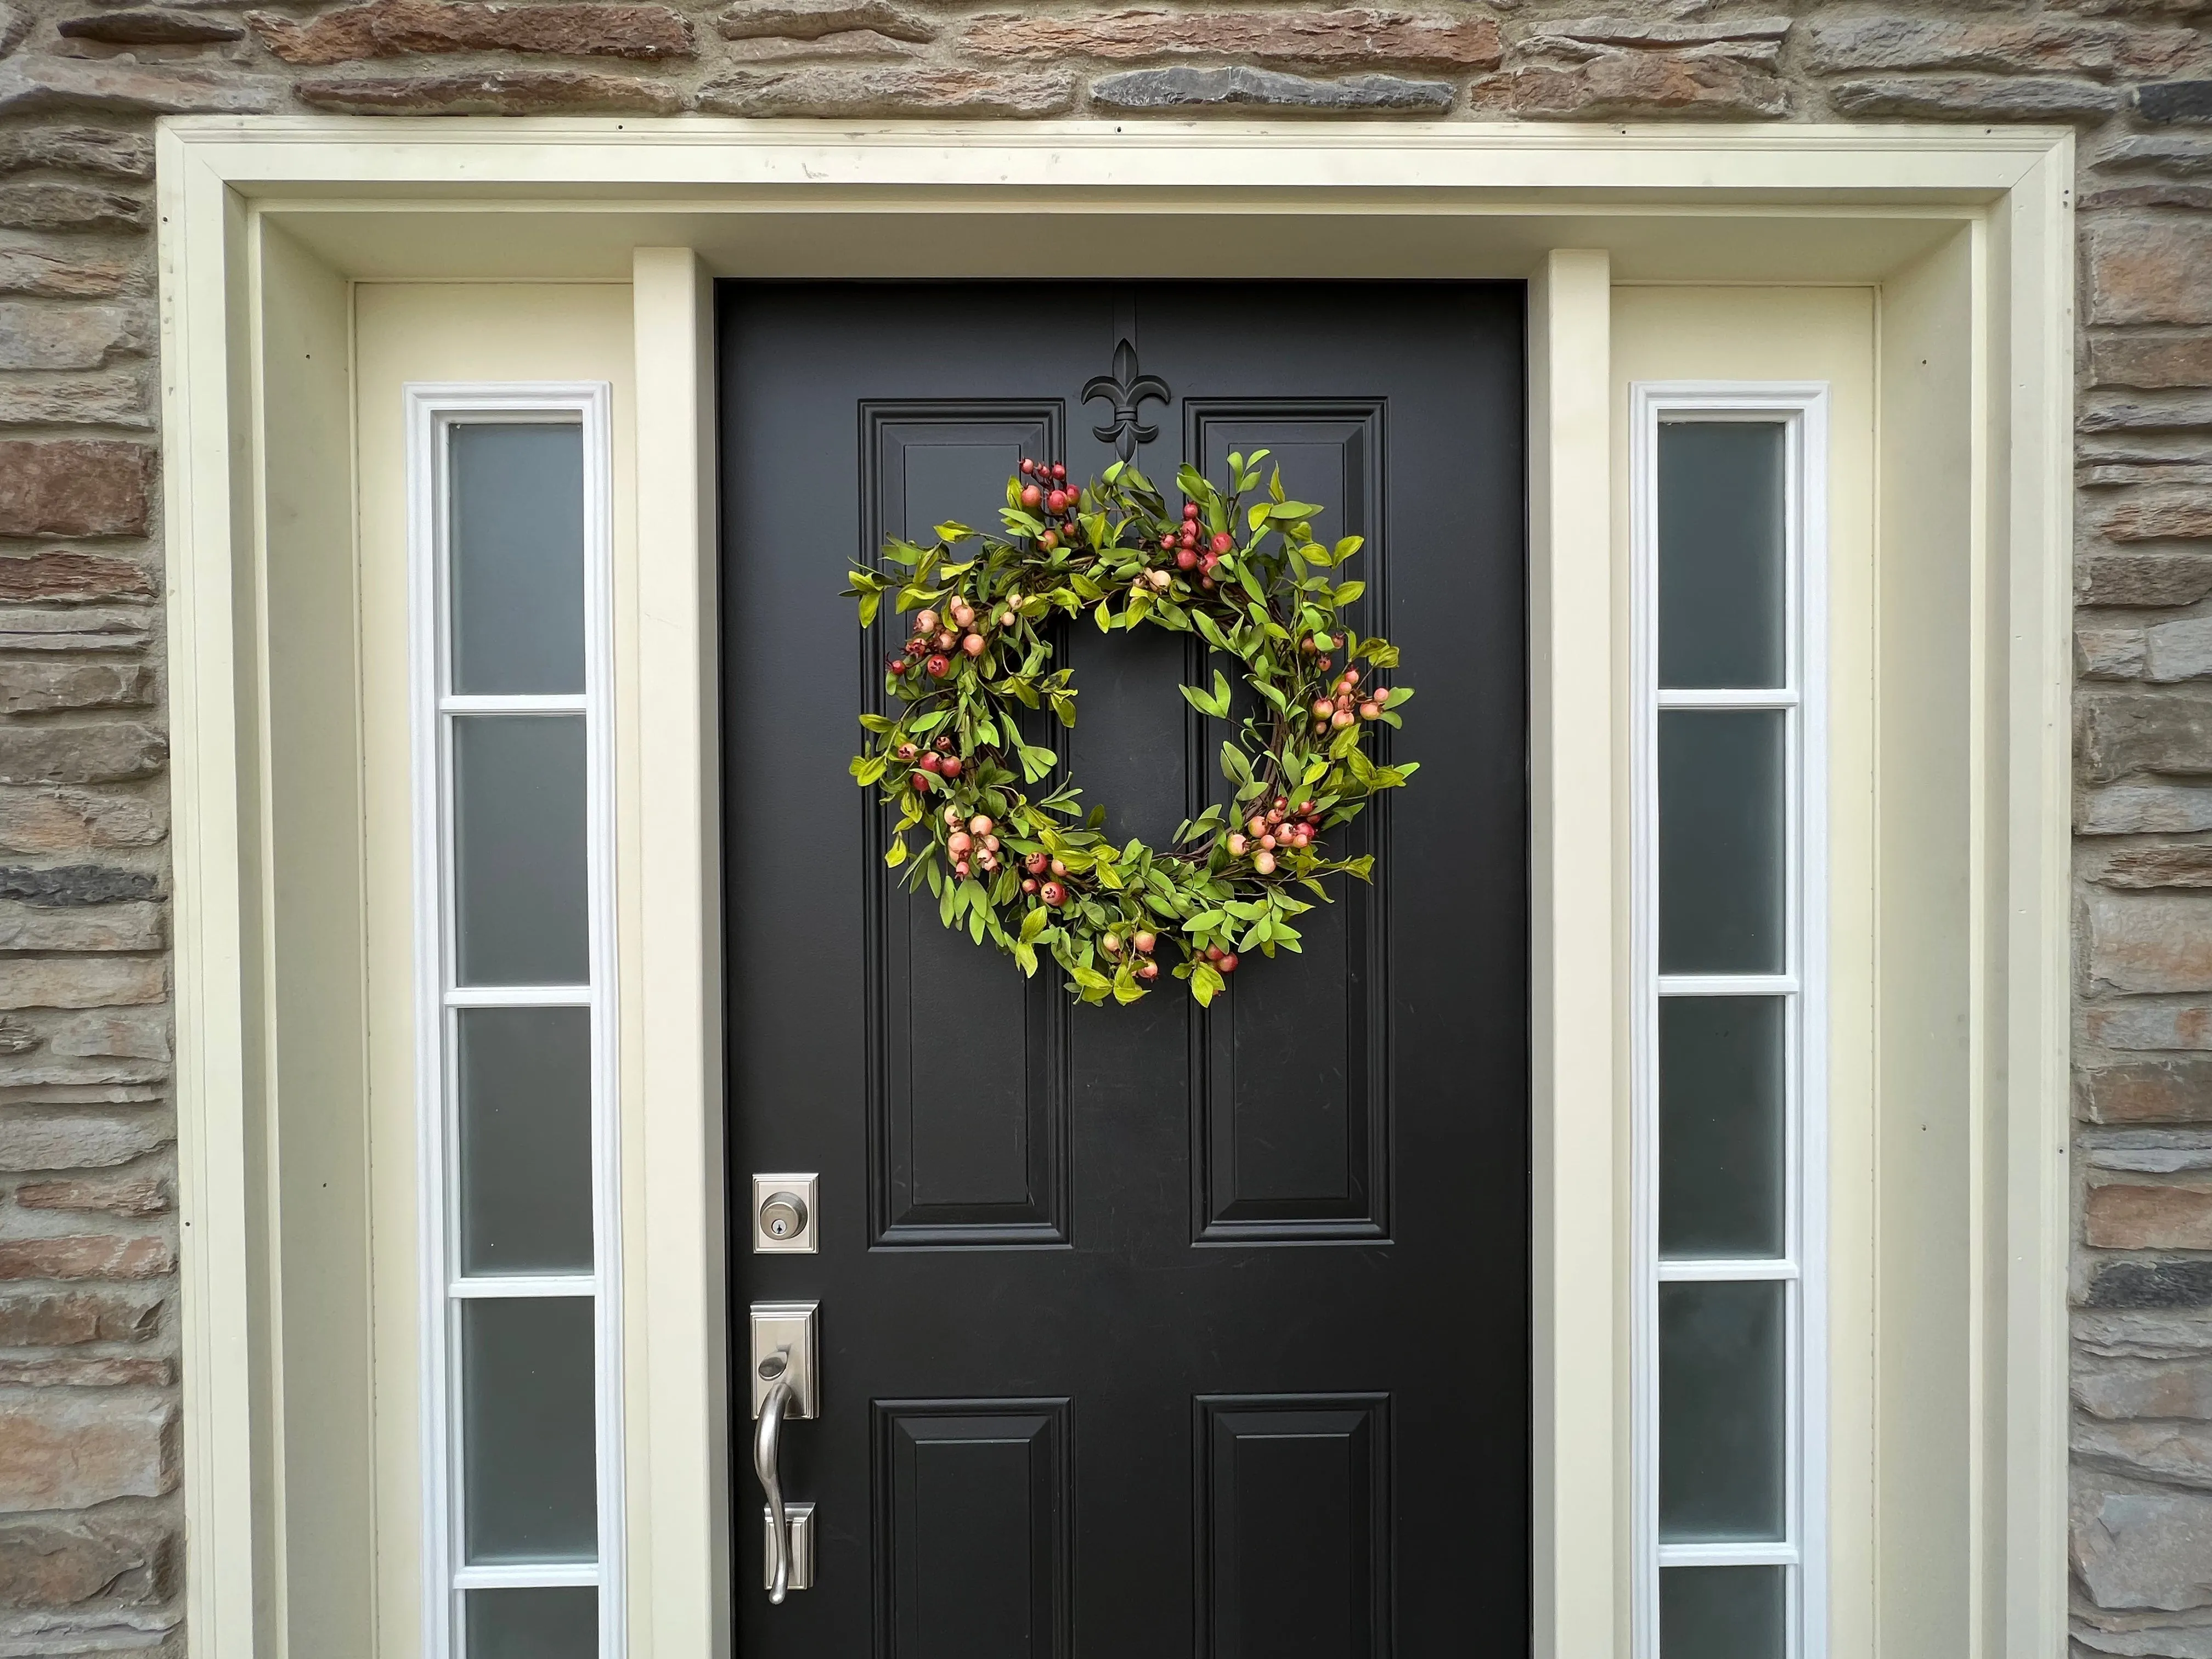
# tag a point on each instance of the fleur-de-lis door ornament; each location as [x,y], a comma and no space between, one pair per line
[1126,390]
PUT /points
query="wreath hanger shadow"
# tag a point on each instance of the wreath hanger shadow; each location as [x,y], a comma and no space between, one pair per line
[1036,876]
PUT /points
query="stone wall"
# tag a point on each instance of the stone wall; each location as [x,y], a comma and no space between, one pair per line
[89,1511]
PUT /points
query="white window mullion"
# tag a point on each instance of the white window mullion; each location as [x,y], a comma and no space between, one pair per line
[578,1262]
[1793,986]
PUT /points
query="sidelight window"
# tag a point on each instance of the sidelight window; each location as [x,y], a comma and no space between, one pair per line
[1728,1418]
[509,571]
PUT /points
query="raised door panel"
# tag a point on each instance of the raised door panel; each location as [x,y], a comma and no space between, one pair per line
[1290,1074]
[968,1069]
[973,1523]
[1294,1527]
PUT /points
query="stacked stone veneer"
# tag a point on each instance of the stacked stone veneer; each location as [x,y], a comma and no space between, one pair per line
[90,1511]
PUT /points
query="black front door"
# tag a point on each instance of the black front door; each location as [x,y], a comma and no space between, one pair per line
[1144,1331]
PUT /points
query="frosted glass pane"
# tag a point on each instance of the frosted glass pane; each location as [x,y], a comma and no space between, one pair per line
[1723,1613]
[1721,1145]
[528,1474]
[1721,1418]
[516,585]
[1721,582]
[525,1134]
[533,1624]
[519,864]
[1722,839]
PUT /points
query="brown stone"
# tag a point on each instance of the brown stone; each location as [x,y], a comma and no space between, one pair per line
[1634,83]
[813,20]
[133,927]
[1976,98]
[887,91]
[2138,1216]
[95,1255]
[71,820]
[2120,732]
[68,337]
[2159,866]
[2141,942]
[74,487]
[41,1139]
[64,577]
[492,92]
[2144,1388]
[117,397]
[1624,30]
[2150,1026]
[60,1451]
[82,982]
[59,1564]
[61,271]
[2147,268]
[44,204]
[138,1197]
[2142,579]
[852,44]
[77,149]
[2109,653]
[397,28]
[65,1319]
[2000,45]
[38,687]
[117,83]
[2170,519]
[2101,413]
[121,1371]
[2147,1091]
[2161,193]
[1350,37]
[148,26]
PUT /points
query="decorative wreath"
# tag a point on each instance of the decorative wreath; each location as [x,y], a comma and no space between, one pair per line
[1036,875]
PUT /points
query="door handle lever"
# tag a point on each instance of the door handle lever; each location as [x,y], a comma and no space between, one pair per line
[768,1436]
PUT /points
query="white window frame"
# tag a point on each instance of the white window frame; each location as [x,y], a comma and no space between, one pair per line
[432,411]
[1802,408]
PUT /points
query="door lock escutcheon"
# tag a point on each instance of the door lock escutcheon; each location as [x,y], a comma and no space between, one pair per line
[783,1214]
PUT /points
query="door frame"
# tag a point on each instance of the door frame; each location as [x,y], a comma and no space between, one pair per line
[266,222]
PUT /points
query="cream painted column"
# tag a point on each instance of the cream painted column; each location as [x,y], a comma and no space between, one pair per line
[680,1503]
[1578,845]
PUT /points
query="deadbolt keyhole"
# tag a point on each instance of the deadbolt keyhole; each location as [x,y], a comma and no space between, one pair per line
[783,1216]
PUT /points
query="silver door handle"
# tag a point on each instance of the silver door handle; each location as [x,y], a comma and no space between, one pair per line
[768,1436]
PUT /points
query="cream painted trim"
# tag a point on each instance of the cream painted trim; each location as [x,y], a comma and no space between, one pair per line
[1580,1523]
[684,1531]
[1743,194]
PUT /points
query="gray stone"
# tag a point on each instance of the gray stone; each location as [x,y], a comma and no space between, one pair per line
[48,204]
[2150,1026]
[138,1034]
[1241,88]
[2117,1389]
[2002,46]
[1976,98]
[2151,1285]
[77,149]
[2145,942]
[2143,1335]
[45,1140]
[2169,411]
[2108,654]
[2115,734]
[854,43]
[2178,650]
[108,753]
[2167,101]
[39,688]
[39,83]
[136,927]
[1623,31]
[2159,1642]
[81,883]
[494,92]
[68,337]
[63,270]
[2181,158]
[2169,1454]
[2134,1548]
[148,25]
[81,981]
[2142,579]
[116,398]
[829,89]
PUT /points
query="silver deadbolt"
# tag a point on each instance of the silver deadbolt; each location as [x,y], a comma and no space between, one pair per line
[784,1215]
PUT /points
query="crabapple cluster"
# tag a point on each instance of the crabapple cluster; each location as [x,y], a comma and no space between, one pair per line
[1048,493]
[1281,827]
[972,844]
[1193,548]
[1140,946]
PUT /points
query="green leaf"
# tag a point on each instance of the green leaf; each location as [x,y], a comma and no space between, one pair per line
[1345,594]
[1103,615]
[896,855]
[866,768]
[1206,983]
